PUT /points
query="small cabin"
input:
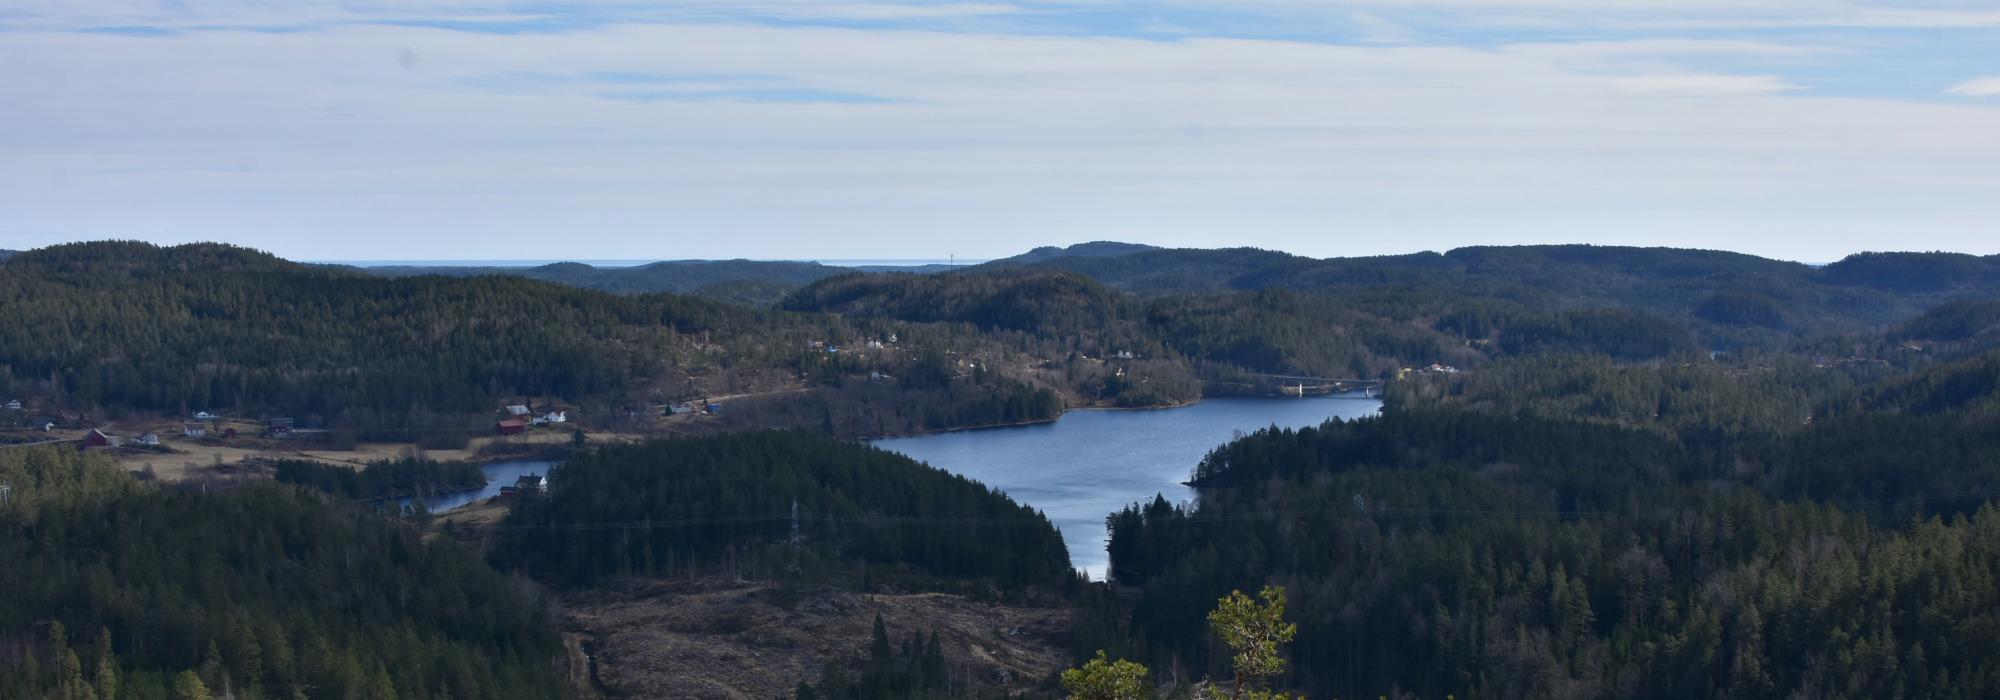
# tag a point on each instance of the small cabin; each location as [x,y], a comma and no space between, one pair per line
[194,430]
[149,439]
[14,405]
[680,408]
[511,426]
[279,427]
[204,415]
[556,417]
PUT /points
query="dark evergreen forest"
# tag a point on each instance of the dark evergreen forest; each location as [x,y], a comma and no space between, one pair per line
[119,589]
[1598,531]
[679,507]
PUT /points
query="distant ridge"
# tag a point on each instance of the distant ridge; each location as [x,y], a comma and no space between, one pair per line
[1093,249]
[754,282]
[5,254]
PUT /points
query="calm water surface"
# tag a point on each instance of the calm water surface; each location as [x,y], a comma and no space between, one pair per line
[498,474]
[1091,463]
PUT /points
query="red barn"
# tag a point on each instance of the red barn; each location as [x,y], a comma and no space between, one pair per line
[97,438]
[512,426]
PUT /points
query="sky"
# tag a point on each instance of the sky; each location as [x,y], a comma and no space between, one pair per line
[785,129]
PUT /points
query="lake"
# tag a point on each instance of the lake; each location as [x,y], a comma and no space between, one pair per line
[498,474]
[1090,463]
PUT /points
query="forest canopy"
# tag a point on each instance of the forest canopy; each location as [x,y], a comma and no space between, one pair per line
[119,589]
[699,504]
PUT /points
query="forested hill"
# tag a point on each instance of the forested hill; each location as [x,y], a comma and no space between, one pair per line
[119,589]
[1220,336]
[1576,528]
[1026,301]
[1721,288]
[1093,249]
[689,505]
[129,326]
[1962,320]
[755,282]
[5,254]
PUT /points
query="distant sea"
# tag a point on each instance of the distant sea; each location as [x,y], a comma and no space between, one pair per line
[840,262]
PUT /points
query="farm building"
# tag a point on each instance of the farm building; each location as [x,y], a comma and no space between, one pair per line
[194,430]
[149,440]
[511,426]
[98,438]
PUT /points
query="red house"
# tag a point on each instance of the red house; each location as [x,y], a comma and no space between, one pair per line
[512,426]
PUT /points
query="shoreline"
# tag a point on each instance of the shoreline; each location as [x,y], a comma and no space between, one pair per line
[1067,411]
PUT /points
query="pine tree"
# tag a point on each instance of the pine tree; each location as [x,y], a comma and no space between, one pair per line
[1104,679]
[107,667]
[188,686]
[1254,632]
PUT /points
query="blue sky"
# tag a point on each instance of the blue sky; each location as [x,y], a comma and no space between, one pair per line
[326,129]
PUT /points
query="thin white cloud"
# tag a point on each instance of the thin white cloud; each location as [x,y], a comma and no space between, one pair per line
[1701,84]
[323,142]
[1977,87]
[1630,15]
[255,14]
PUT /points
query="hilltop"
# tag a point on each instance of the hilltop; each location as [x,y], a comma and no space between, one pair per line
[755,282]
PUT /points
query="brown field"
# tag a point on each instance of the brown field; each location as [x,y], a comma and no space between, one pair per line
[722,638]
[185,458]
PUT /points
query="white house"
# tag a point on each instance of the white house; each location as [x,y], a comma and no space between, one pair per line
[194,430]
[14,405]
[204,415]
[150,439]
[556,417]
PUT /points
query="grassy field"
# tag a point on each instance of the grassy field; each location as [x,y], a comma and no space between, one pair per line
[187,458]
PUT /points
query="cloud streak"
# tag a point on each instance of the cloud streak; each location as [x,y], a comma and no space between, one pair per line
[1977,87]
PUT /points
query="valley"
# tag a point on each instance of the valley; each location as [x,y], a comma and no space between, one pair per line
[712,524]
